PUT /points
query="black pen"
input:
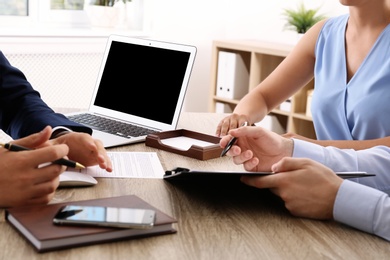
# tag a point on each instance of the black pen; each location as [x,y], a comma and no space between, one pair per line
[230,143]
[62,161]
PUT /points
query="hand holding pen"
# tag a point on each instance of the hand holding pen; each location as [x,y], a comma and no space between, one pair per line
[62,161]
[231,143]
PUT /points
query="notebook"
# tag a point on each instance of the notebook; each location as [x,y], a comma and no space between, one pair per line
[141,83]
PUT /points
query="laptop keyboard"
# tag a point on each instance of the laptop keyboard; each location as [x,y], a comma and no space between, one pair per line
[110,126]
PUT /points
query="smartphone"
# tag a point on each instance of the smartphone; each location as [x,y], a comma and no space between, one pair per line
[105,216]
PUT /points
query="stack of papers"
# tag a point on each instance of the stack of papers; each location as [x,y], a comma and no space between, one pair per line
[125,165]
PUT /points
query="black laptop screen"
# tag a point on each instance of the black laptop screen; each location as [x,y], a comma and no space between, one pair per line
[143,81]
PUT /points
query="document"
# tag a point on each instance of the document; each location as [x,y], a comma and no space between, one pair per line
[129,165]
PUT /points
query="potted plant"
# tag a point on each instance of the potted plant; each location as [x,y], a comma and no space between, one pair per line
[301,19]
[106,2]
[105,13]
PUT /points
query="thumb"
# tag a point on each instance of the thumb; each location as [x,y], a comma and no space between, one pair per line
[35,140]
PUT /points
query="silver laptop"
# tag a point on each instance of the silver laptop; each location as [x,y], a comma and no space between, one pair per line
[141,84]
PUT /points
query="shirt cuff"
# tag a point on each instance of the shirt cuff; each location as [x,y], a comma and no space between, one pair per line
[355,205]
[58,131]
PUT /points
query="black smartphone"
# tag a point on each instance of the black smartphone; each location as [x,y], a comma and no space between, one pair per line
[105,216]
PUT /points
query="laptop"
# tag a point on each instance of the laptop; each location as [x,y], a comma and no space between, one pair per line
[141,84]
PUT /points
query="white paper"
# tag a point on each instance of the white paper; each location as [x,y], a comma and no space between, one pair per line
[184,143]
[129,165]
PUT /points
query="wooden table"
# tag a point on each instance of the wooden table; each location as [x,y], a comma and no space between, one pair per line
[226,220]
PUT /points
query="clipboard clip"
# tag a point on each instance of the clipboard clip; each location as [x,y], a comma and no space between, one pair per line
[177,170]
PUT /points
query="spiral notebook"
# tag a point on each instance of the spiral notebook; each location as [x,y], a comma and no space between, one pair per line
[141,86]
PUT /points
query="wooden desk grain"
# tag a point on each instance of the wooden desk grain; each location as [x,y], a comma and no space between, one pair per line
[224,220]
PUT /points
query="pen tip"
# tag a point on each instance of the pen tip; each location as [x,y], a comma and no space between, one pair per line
[80,166]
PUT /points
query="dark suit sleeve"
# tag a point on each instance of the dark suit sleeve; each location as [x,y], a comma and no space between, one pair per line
[22,111]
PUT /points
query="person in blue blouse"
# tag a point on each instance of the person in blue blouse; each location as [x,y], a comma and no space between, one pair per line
[25,177]
[305,180]
[349,58]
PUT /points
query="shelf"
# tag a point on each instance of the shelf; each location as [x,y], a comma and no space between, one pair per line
[226,100]
[260,59]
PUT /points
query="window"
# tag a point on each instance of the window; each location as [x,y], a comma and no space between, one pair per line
[15,8]
[42,14]
[47,12]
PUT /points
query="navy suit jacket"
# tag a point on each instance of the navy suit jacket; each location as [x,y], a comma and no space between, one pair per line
[22,111]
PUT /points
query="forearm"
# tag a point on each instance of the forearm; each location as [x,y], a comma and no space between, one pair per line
[348,144]
[375,160]
[253,106]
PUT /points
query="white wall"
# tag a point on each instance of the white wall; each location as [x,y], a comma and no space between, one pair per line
[200,22]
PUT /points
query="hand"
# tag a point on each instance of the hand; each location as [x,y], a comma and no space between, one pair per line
[230,122]
[83,148]
[257,148]
[308,188]
[22,181]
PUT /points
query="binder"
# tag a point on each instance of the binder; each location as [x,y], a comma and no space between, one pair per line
[222,108]
[232,76]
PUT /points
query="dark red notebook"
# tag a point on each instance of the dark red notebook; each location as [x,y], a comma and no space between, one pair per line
[35,223]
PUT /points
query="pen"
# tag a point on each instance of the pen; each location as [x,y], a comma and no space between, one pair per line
[231,142]
[62,161]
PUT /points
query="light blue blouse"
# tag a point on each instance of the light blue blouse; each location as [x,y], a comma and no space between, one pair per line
[365,207]
[354,110]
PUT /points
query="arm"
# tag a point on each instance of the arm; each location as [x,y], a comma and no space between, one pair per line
[374,160]
[258,149]
[22,111]
[329,196]
[296,70]
[344,144]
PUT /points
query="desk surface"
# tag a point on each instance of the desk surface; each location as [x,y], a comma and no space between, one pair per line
[226,221]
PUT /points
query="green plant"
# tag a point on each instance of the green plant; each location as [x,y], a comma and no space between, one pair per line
[106,2]
[301,19]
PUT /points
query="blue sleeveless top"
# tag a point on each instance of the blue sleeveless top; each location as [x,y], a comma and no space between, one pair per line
[359,109]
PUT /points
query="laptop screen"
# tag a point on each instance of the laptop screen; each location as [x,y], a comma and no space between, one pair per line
[142,80]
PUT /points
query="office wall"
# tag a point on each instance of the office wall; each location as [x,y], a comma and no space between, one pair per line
[200,22]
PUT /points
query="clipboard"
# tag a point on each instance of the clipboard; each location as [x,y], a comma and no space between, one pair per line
[211,151]
[186,174]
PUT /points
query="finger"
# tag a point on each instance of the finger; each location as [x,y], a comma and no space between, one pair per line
[44,193]
[248,131]
[263,182]
[289,164]
[240,157]
[40,200]
[104,159]
[225,140]
[35,140]
[41,193]
[47,173]
[43,155]
[46,188]
[251,164]
[228,123]
[224,127]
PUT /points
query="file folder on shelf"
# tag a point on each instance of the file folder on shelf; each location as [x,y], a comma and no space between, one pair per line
[232,76]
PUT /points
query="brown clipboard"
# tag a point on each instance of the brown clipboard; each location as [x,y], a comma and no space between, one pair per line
[195,151]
